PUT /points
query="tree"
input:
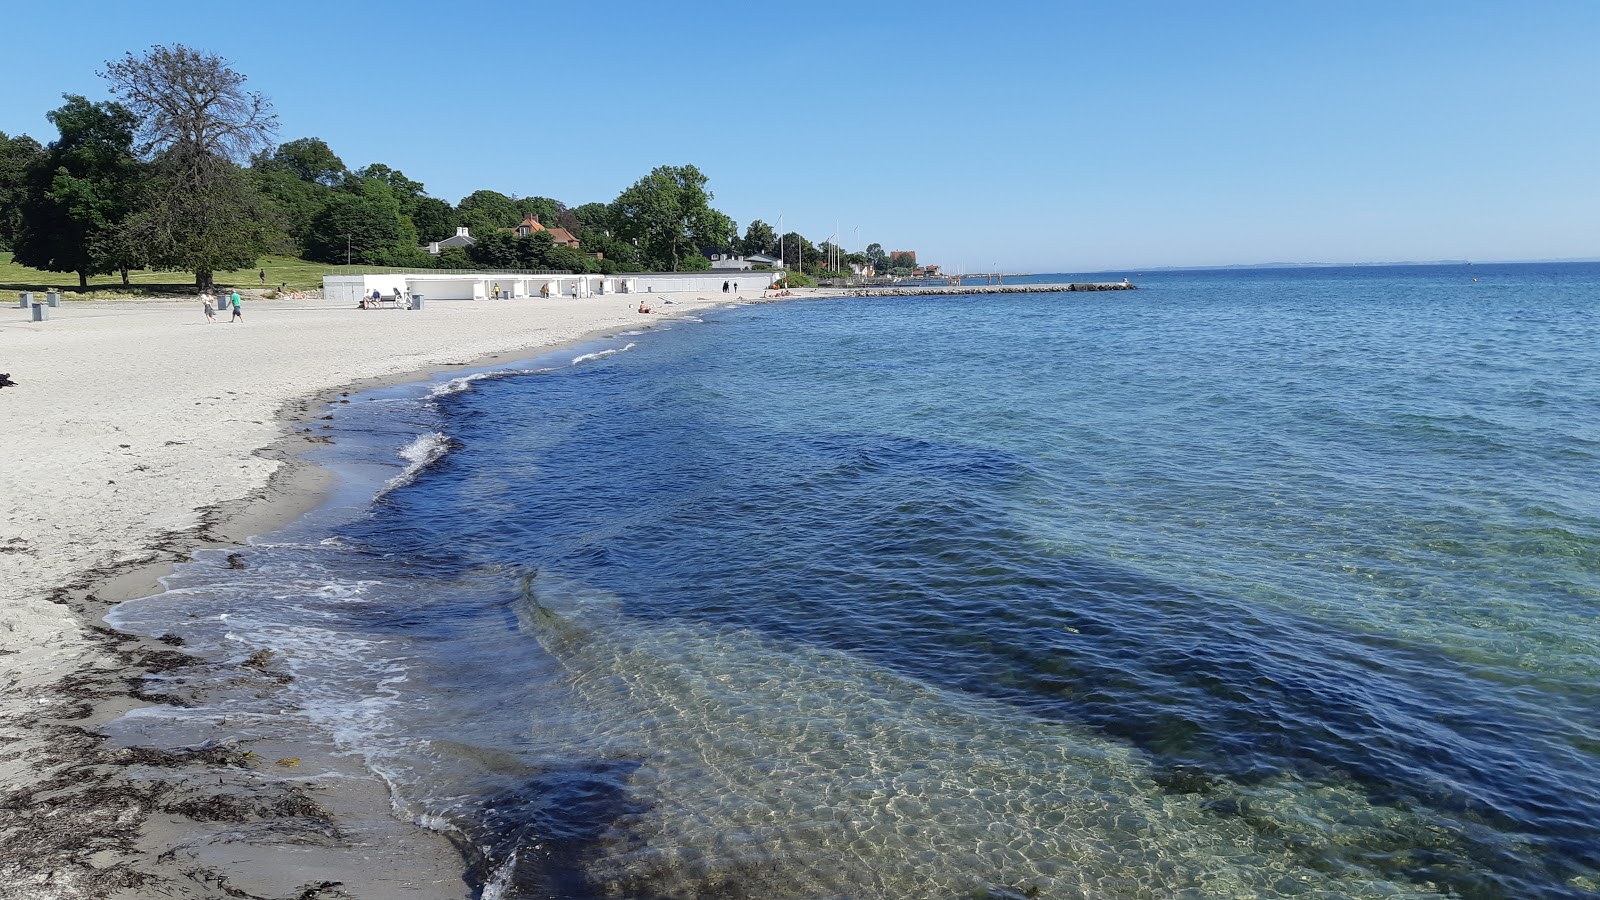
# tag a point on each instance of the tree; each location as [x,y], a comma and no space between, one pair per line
[297,179]
[79,192]
[759,238]
[292,202]
[547,211]
[573,260]
[797,250]
[434,219]
[484,211]
[534,251]
[310,159]
[876,257]
[404,189]
[668,216]
[354,227]
[18,156]
[592,217]
[197,120]
[496,250]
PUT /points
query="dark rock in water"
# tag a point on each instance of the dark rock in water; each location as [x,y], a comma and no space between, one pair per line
[5,380]
[1182,779]
[1228,807]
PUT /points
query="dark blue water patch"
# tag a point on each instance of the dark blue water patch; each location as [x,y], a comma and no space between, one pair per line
[880,494]
[537,839]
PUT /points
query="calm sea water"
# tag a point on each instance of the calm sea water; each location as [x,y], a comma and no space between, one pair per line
[1251,583]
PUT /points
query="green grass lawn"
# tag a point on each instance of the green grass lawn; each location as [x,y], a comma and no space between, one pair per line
[298,273]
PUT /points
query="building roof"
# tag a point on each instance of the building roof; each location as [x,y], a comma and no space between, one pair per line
[563,236]
[530,224]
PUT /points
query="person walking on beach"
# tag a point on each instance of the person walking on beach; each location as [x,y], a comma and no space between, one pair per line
[263,276]
[238,308]
[210,307]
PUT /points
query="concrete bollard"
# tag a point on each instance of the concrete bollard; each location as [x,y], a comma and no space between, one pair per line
[416,301]
[52,298]
[24,300]
[40,312]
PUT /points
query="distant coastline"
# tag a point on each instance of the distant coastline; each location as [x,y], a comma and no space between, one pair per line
[1355,265]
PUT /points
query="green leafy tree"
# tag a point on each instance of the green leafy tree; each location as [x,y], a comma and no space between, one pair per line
[548,211]
[877,257]
[80,191]
[309,159]
[759,238]
[485,211]
[452,258]
[496,250]
[18,156]
[571,260]
[797,251]
[434,219]
[361,223]
[592,217]
[667,216]
[405,190]
[295,182]
[535,250]
[202,214]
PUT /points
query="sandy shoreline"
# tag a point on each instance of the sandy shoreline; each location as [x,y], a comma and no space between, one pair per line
[138,433]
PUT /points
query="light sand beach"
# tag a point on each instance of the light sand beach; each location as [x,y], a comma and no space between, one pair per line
[138,432]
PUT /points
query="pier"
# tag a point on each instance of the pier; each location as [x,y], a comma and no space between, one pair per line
[909,291]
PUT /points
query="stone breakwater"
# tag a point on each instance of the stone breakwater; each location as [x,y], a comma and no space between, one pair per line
[987,289]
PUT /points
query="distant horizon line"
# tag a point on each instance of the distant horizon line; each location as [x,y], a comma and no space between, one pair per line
[1338,265]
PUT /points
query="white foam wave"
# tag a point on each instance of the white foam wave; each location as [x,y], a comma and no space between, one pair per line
[435,823]
[457,385]
[465,382]
[495,889]
[421,453]
[602,354]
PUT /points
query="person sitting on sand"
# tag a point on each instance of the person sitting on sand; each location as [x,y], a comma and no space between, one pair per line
[643,307]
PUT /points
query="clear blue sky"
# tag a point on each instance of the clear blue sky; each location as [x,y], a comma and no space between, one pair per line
[1068,136]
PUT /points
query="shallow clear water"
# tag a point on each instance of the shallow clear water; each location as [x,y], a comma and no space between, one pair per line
[1262,583]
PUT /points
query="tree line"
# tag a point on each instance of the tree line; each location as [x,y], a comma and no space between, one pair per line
[179,172]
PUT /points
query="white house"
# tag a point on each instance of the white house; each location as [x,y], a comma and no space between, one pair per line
[461,239]
[722,262]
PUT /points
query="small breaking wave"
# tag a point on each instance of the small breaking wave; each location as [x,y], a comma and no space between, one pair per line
[421,453]
[602,354]
[465,382]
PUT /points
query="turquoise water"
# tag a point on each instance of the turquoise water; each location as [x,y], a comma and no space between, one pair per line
[1260,583]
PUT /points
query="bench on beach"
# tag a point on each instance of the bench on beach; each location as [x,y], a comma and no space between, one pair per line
[395,300]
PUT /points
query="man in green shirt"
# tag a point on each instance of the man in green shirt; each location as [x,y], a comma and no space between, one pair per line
[238,309]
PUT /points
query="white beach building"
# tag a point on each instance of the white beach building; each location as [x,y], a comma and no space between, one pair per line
[519,285]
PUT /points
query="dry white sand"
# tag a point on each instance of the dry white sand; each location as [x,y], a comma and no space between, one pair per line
[129,421]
